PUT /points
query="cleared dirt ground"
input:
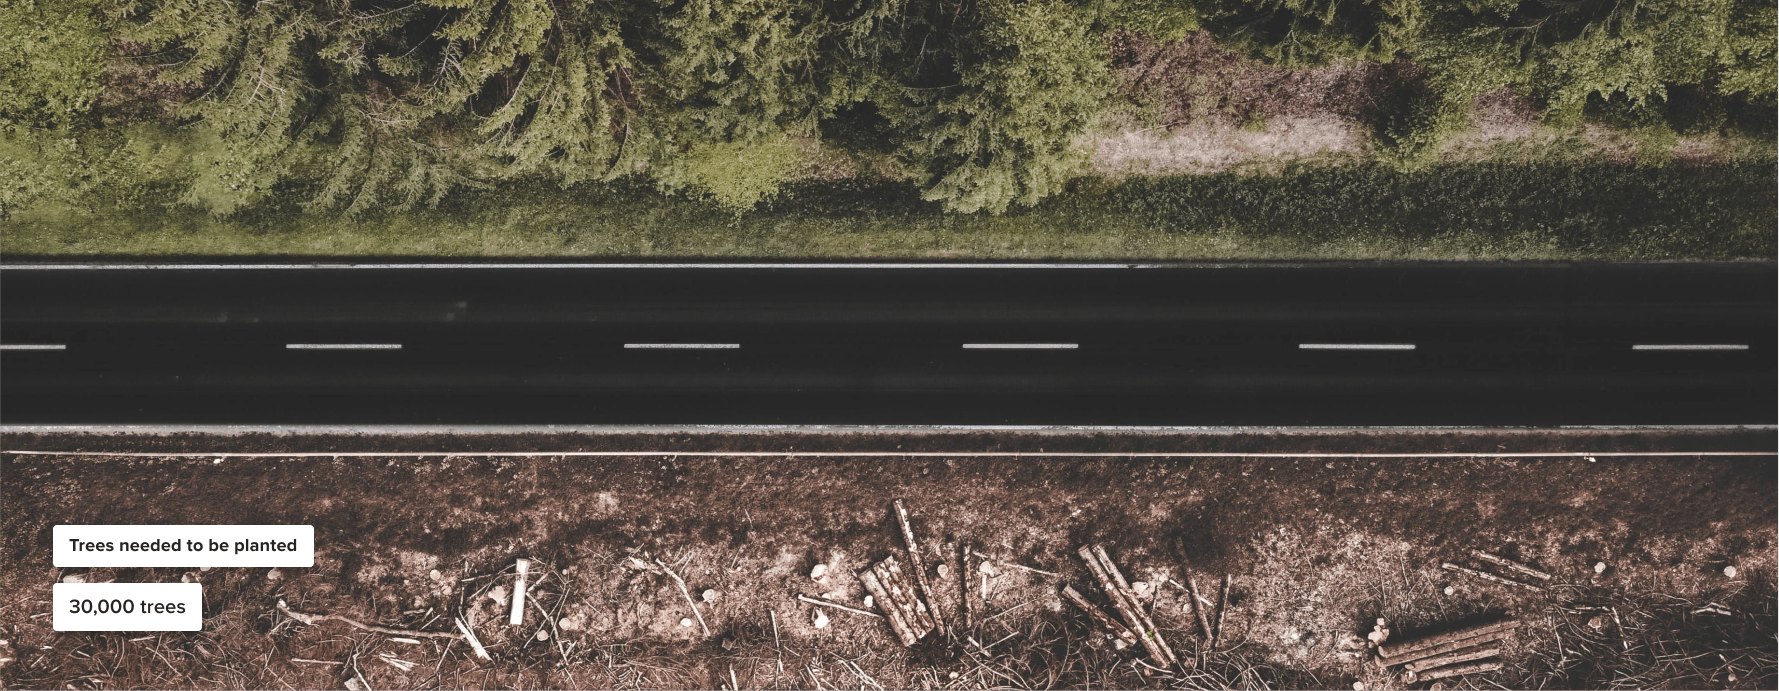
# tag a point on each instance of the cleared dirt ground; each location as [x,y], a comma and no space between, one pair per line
[1318,548]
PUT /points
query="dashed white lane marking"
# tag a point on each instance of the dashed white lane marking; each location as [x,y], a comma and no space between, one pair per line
[33,346]
[682,346]
[1690,346]
[343,346]
[1021,346]
[1356,346]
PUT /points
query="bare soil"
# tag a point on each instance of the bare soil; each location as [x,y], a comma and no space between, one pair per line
[1318,548]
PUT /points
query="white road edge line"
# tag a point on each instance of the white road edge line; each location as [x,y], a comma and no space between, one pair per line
[886,454]
[681,346]
[343,346]
[32,346]
[1355,346]
[683,265]
[1021,346]
[1690,346]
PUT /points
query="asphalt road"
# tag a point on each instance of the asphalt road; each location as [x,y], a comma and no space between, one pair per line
[1492,344]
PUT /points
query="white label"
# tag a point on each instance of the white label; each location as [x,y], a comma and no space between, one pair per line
[129,606]
[180,546]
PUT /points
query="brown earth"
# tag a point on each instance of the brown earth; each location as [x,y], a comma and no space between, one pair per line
[1318,547]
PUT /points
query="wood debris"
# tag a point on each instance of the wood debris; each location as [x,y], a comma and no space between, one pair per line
[919,565]
[1121,637]
[836,605]
[1489,576]
[1125,602]
[687,594]
[900,603]
[313,619]
[1510,565]
[963,583]
[1452,653]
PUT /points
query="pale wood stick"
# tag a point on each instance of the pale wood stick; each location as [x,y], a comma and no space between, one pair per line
[330,663]
[470,636]
[313,619]
[891,613]
[688,596]
[1452,658]
[1489,577]
[836,605]
[1222,609]
[1459,644]
[1118,603]
[1423,643]
[1120,634]
[1458,670]
[1199,603]
[1510,564]
[518,615]
[918,564]
[1130,595]
[963,583]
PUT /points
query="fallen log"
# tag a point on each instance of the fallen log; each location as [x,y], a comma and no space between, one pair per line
[891,612]
[1120,635]
[1404,648]
[1487,650]
[918,564]
[1459,670]
[1489,576]
[900,588]
[1510,565]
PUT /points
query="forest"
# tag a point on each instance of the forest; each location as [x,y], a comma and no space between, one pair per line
[342,107]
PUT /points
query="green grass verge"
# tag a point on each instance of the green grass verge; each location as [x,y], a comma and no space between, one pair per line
[1478,211]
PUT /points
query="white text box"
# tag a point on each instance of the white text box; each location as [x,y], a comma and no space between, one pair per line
[128,606]
[178,546]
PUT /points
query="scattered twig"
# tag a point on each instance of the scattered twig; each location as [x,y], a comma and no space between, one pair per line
[836,605]
[1120,633]
[1510,564]
[1458,670]
[307,661]
[1144,635]
[1489,576]
[313,619]
[470,637]
[518,614]
[963,582]
[687,594]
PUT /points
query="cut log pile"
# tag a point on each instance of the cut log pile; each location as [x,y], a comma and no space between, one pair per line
[1468,650]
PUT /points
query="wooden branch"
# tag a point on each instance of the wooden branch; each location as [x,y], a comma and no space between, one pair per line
[1489,576]
[1459,670]
[918,564]
[313,619]
[891,613]
[1198,607]
[1510,565]
[1118,603]
[836,605]
[1121,635]
[1222,609]
[1130,595]
[518,615]
[687,594]
[1464,655]
[1404,648]
[963,584]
